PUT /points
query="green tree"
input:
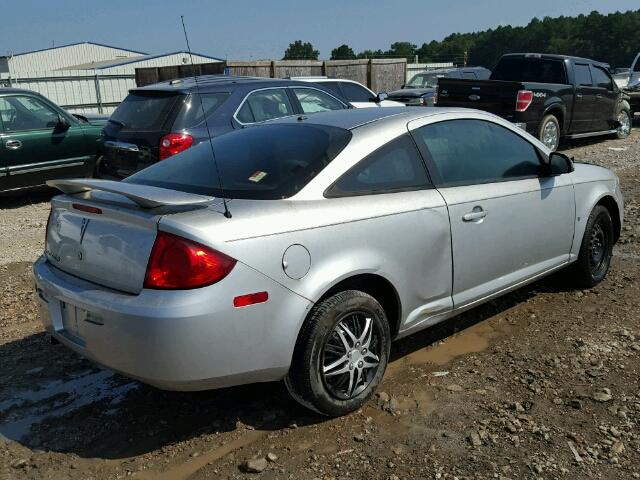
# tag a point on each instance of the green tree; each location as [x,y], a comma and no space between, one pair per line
[402,49]
[343,52]
[300,51]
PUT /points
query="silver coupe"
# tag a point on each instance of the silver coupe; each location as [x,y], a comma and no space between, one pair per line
[300,249]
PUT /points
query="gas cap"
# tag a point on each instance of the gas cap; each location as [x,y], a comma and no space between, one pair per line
[296,261]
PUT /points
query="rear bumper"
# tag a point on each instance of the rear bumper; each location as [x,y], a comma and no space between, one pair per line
[176,340]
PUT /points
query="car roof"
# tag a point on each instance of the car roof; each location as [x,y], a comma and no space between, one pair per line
[5,90]
[353,118]
[451,69]
[212,83]
[553,56]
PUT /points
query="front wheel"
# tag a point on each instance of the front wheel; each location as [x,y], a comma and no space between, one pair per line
[549,133]
[596,249]
[624,119]
[341,354]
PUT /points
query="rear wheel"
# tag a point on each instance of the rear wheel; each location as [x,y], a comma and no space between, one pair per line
[596,249]
[341,354]
[624,119]
[549,133]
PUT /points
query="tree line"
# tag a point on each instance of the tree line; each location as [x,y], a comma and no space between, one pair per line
[613,38]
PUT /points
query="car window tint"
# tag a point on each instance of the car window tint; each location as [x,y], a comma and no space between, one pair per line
[356,93]
[601,78]
[583,75]
[333,87]
[264,105]
[396,166]
[312,100]
[26,113]
[146,110]
[530,70]
[190,113]
[267,162]
[477,151]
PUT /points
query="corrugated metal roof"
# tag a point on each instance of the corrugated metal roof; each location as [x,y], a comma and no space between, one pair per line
[72,45]
[117,62]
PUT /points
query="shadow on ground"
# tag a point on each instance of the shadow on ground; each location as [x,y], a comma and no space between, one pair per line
[53,400]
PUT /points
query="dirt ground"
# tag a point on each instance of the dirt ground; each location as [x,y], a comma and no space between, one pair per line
[540,384]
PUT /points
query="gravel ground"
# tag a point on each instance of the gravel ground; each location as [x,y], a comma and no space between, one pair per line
[542,383]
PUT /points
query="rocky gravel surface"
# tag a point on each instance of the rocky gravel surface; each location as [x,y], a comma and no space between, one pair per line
[540,384]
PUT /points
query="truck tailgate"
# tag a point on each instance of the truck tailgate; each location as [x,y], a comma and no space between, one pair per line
[494,96]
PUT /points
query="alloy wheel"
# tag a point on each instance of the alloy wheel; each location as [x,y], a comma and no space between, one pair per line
[351,355]
[550,135]
[625,123]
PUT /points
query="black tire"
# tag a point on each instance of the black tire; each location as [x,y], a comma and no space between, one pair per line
[624,130]
[549,122]
[307,381]
[596,249]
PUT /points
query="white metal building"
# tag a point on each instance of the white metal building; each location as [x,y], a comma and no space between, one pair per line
[85,77]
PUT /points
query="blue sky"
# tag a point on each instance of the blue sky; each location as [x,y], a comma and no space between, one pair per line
[252,29]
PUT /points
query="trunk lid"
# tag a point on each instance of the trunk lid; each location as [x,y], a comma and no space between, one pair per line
[103,231]
[494,96]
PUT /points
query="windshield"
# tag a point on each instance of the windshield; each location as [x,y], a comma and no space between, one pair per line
[144,111]
[264,163]
[424,80]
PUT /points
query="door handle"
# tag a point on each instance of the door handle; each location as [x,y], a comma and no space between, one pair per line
[477,214]
[13,144]
[599,95]
[578,95]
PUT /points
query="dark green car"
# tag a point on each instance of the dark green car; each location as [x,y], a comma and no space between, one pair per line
[39,141]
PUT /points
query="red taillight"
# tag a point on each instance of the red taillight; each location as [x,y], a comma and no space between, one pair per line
[250,299]
[173,143]
[177,263]
[523,100]
[86,208]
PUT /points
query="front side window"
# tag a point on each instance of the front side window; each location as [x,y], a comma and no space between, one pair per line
[264,105]
[313,101]
[601,78]
[465,152]
[26,113]
[394,167]
[266,162]
[356,93]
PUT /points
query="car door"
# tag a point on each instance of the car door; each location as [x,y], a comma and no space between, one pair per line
[585,100]
[606,98]
[36,148]
[509,222]
[4,179]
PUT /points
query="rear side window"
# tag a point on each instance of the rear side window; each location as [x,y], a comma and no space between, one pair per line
[356,93]
[394,167]
[190,112]
[333,87]
[313,101]
[536,70]
[146,111]
[465,152]
[583,75]
[264,105]
[601,78]
[266,162]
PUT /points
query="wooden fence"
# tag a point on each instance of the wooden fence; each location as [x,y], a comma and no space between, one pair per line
[378,74]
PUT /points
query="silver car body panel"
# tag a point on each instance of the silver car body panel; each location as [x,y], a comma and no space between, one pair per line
[438,264]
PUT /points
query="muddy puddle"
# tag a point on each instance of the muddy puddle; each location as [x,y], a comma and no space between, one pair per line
[20,410]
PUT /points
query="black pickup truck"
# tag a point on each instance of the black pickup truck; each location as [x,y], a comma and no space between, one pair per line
[550,96]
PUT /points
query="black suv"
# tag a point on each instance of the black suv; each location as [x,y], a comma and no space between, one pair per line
[160,120]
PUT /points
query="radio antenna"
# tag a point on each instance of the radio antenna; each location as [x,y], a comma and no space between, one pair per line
[227,213]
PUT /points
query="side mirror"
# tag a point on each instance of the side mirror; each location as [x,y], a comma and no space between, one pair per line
[402,86]
[382,96]
[61,124]
[557,163]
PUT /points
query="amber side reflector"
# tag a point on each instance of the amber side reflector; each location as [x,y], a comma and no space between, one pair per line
[250,299]
[86,208]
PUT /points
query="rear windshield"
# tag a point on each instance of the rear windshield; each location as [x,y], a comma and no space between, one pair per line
[145,110]
[535,70]
[265,163]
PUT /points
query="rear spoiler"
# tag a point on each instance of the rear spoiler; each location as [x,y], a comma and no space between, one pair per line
[143,195]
